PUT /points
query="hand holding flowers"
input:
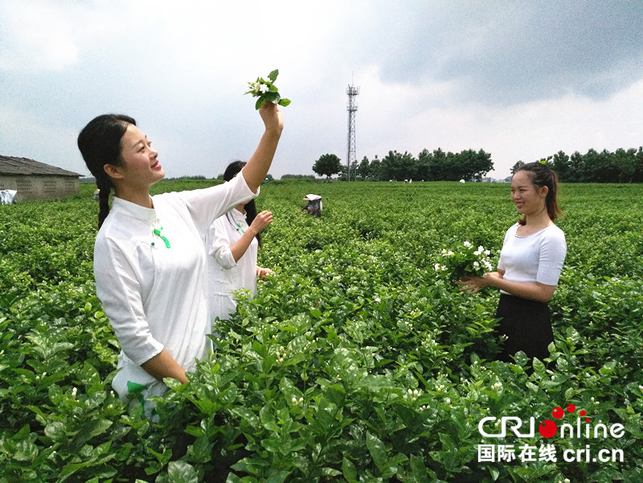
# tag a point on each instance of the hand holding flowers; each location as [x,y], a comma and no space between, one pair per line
[464,261]
[266,90]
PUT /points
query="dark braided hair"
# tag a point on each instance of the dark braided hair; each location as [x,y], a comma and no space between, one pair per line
[100,144]
[541,175]
[251,208]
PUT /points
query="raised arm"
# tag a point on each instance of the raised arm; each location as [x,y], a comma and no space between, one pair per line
[255,171]
[262,220]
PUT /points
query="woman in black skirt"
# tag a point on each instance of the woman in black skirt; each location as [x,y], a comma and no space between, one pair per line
[530,263]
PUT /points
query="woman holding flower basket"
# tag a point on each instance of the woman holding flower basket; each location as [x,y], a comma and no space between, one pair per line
[149,254]
[530,263]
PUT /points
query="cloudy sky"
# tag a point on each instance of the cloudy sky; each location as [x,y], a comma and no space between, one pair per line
[519,79]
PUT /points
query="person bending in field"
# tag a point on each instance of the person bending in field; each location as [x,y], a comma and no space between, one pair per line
[149,254]
[530,263]
[232,242]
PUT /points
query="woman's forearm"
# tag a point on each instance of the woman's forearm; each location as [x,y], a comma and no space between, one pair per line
[527,290]
[163,365]
[239,248]
[254,172]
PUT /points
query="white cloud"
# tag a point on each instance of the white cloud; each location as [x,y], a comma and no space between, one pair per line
[36,35]
[519,81]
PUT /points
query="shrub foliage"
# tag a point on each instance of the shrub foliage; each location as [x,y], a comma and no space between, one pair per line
[357,361]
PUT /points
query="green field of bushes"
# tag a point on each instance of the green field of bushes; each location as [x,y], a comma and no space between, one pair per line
[356,362]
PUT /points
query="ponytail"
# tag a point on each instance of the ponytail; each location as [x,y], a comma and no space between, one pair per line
[100,144]
[231,171]
[103,203]
[541,175]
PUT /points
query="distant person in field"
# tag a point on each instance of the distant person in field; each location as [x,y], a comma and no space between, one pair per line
[149,254]
[530,263]
[313,205]
[232,243]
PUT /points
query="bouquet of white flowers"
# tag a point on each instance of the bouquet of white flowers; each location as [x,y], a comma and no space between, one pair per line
[465,260]
[266,90]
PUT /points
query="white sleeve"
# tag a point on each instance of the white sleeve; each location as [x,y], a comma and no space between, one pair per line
[119,290]
[501,263]
[553,250]
[219,244]
[208,204]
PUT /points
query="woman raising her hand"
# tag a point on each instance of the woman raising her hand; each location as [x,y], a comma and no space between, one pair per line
[232,243]
[149,254]
[530,263]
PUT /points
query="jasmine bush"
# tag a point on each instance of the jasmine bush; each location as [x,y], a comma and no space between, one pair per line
[357,361]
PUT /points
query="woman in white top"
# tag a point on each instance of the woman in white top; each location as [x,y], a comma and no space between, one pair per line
[149,255]
[530,263]
[232,242]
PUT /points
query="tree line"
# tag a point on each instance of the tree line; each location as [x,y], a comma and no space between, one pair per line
[437,165]
[620,166]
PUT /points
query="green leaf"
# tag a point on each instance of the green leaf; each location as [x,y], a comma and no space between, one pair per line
[278,476]
[182,472]
[272,444]
[376,449]
[348,470]
[89,430]
[419,470]
[56,431]
[273,75]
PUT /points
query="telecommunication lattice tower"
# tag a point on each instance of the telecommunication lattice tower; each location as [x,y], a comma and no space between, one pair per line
[351,159]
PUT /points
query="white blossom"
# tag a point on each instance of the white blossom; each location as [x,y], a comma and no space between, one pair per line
[467,244]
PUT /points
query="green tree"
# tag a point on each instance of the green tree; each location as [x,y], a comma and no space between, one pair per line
[471,165]
[375,169]
[398,166]
[439,165]
[517,166]
[560,164]
[363,169]
[327,165]
[424,166]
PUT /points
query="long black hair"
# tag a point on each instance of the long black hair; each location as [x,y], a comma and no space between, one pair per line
[251,209]
[541,175]
[100,144]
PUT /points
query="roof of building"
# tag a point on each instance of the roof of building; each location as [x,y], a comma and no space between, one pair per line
[23,166]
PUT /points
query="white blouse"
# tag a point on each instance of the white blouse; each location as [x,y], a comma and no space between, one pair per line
[537,257]
[224,274]
[150,269]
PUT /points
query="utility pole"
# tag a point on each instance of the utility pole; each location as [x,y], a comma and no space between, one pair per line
[351,158]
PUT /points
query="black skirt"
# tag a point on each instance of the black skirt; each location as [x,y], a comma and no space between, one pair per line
[527,325]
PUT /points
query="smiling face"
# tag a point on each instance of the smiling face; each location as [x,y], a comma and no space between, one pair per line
[528,198]
[140,167]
